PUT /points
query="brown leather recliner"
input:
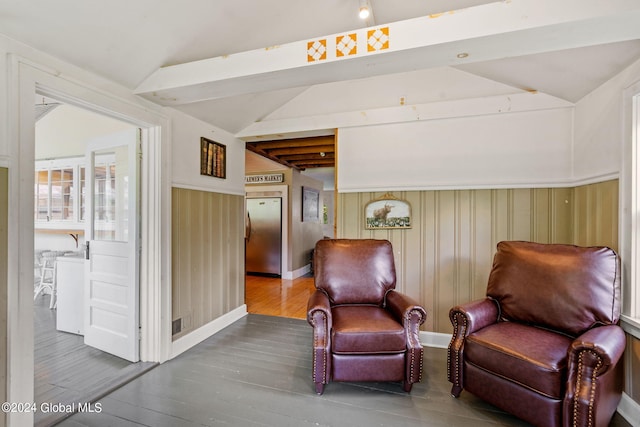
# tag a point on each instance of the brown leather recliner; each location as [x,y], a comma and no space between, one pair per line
[544,345]
[363,330]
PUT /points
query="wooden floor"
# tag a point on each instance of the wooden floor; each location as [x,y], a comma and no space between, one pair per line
[278,297]
[257,372]
[66,370]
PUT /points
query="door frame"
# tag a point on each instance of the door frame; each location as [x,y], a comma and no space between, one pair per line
[26,78]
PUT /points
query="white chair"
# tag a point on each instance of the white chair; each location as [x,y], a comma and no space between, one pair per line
[47,283]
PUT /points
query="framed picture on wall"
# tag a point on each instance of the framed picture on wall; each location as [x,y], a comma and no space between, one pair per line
[310,205]
[387,212]
[213,158]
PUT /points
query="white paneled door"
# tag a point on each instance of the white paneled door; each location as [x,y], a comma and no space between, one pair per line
[110,192]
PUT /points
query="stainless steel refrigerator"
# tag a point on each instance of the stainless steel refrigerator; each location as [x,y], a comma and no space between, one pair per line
[264,236]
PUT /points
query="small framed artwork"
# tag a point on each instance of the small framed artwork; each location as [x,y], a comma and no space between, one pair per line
[387,212]
[310,204]
[213,158]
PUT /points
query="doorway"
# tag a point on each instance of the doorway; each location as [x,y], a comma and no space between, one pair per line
[81,194]
[27,79]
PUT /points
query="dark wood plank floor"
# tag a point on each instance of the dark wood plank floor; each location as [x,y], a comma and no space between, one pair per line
[67,371]
[257,372]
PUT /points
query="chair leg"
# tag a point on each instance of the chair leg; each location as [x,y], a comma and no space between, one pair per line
[406,386]
[456,390]
[319,388]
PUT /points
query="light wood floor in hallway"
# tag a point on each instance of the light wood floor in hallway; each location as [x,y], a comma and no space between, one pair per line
[278,297]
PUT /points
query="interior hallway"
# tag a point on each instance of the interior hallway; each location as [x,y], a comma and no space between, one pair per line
[278,297]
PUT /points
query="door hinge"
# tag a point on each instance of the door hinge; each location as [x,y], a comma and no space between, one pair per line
[86,250]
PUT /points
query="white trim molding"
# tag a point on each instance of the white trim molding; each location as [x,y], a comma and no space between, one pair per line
[630,325]
[629,409]
[290,275]
[568,183]
[202,333]
[435,339]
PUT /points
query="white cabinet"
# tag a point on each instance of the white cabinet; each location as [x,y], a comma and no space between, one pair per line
[70,285]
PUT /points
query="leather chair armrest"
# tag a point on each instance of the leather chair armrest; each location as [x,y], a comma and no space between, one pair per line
[594,374]
[466,318]
[405,309]
[606,343]
[318,302]
[411,314]
[473,316]
[319,316]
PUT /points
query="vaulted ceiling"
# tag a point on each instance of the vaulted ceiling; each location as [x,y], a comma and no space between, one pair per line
[132,42]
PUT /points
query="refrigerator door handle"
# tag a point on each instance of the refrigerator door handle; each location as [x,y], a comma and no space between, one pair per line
[248,227]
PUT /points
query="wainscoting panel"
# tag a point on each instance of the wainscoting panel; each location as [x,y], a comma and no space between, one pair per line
[207,257]
[632,368]
[596,214]
[445,258]
[4,214]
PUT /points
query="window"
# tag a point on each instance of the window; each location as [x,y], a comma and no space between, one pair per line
[42,195]
[61,204]
[60,192]
[56,191]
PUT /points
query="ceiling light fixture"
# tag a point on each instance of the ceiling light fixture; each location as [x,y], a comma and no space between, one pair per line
[364,9]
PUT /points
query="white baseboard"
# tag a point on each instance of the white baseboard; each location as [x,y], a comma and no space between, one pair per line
[183,344]
[435,339]
[290,275]
[630,410]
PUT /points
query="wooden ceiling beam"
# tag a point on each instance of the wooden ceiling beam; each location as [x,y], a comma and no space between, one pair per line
[296,157]
[300,150]
[307,163]
[300,142]
[298,153]
[263,153]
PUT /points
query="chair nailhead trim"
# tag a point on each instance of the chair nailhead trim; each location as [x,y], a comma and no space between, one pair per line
[456,332]
[315,353]
[412,352]
[592,394]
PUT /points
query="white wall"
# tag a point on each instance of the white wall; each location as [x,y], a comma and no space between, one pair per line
[65,131]
[186,156]
[529,149]
[599,129]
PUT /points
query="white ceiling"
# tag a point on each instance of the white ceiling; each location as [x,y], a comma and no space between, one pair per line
[126,41]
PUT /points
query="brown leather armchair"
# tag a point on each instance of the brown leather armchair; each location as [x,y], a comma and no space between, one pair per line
[544,345]
[363,330]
